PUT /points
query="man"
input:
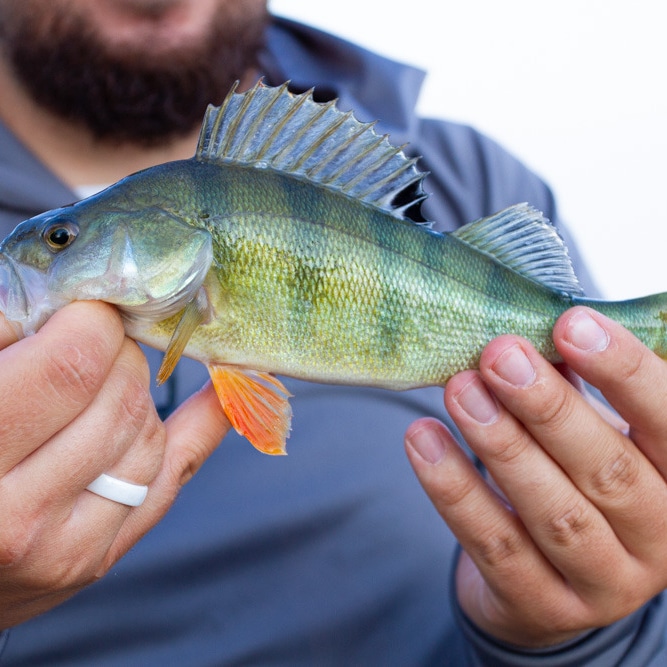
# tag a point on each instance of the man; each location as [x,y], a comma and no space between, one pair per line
[332,555]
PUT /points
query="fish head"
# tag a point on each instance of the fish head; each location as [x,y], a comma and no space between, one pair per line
[145,260]
[24,297]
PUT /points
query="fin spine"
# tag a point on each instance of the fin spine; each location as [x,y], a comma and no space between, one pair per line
[267,127]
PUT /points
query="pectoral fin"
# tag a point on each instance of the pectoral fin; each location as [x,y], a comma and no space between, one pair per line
[194,314]
[256,404]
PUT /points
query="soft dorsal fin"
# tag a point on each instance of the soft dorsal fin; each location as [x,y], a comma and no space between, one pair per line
[269,127]
[522,239]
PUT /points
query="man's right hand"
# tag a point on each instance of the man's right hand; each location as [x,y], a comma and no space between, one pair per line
[75,404]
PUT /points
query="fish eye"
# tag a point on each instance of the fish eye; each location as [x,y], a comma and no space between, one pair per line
[60,234]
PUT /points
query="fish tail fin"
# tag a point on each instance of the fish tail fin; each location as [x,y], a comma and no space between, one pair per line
[256,404]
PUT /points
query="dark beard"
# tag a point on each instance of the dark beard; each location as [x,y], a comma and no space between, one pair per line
[129,97]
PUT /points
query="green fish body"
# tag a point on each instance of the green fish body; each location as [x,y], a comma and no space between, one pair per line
[279,249]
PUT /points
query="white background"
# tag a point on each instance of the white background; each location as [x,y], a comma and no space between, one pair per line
[576,88]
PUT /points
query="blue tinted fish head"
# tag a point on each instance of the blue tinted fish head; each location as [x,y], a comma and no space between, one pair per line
[145,260]
[24,298]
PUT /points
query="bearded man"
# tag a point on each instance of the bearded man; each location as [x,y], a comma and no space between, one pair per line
[333,555]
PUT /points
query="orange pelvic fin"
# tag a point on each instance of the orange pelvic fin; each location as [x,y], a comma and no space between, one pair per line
[256,404]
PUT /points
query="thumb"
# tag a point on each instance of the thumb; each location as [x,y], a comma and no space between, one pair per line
[193,432]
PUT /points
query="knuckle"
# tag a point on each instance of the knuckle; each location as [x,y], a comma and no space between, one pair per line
[184,465]
[154,440]
[154,431]
[512,449]
[131,375]
[617,475]
[500,548]
[458,491]
[135,403]
[632,367]
[568,527]
[555,411]
[73,371]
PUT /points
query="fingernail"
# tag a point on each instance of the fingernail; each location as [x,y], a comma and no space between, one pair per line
[475,399]
[584,332]
[427,444]
[514,367]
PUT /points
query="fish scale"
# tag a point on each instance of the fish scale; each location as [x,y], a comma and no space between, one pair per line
[281,248]
[355,312]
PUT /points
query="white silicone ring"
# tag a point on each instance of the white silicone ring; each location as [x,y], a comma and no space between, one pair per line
[119,491]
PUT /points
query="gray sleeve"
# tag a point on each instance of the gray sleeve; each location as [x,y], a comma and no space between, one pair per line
[3,640]
[637,640]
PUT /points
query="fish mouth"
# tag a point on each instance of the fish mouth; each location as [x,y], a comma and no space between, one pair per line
[22,295]
[13,298]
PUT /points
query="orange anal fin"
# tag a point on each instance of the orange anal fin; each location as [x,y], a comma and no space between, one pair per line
[256,404]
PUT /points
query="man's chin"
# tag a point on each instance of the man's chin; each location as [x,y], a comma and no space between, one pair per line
[136,93]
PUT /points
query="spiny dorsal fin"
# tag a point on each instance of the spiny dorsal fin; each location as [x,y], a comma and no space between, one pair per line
[522,239]
[268,127]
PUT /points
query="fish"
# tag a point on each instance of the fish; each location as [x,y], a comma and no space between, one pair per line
[284,247]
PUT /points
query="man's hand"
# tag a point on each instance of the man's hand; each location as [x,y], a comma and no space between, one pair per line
[76,403]
[571,533]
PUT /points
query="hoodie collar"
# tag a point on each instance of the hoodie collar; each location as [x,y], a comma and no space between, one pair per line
[27,186]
